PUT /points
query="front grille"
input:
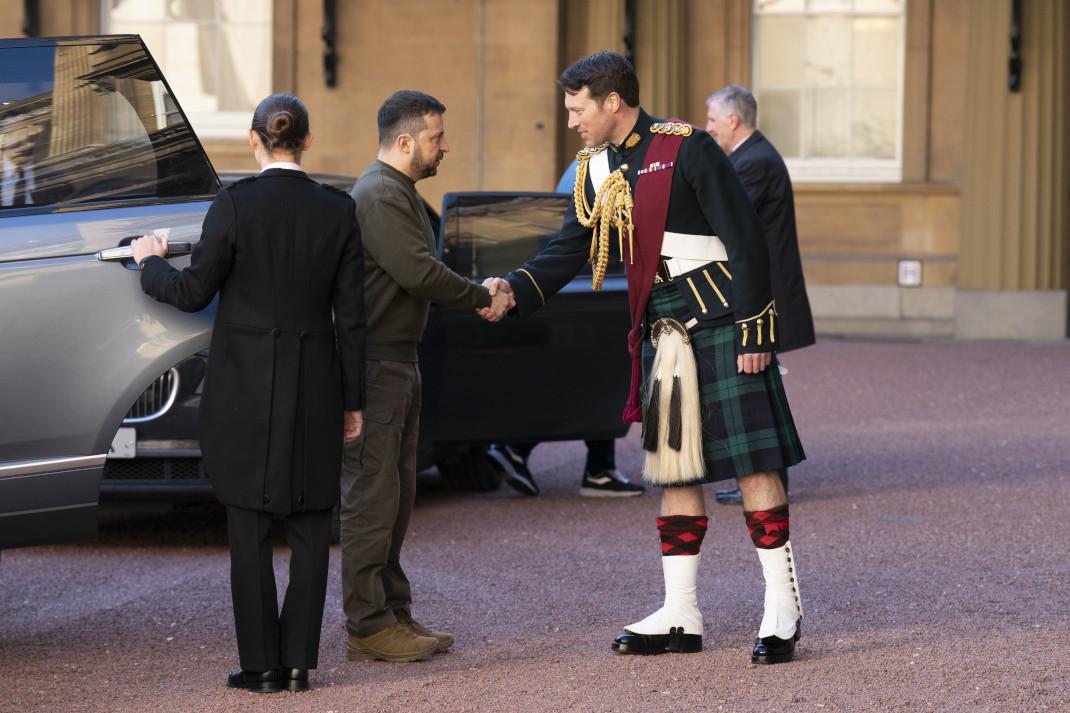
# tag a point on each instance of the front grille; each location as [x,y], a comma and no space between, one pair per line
[155,400]
[155,469]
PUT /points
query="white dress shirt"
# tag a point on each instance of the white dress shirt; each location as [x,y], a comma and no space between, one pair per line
[289,166]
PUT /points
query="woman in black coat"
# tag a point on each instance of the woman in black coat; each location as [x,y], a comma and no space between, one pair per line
[285,380]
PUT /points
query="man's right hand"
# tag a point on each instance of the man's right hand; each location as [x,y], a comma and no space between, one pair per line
[753,363]
[501,299]
[352,425]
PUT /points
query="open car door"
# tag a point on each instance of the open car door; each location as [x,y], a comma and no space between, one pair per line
[561,374]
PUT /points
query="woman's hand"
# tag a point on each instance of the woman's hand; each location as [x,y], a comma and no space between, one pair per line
[353,424]
[148,245]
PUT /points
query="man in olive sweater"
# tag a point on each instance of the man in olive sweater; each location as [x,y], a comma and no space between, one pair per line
[401,278]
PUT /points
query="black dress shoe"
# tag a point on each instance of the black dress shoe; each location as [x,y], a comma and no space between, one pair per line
[256,681]
[773,649]
[729,496]
[295,679]
[675,642]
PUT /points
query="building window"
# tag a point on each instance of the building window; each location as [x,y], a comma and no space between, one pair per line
[216,55]
[828,75]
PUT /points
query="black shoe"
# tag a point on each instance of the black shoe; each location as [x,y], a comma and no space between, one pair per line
[256,681]
[675,642]
[729,496]
[773,649]
[609,484]
[295,679]
[514,469]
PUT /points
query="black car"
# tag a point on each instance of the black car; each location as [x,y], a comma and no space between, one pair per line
[559,375]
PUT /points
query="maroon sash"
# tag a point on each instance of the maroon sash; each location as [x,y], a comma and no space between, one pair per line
[649,216]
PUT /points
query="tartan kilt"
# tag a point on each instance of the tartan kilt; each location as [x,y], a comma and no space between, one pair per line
[746,422]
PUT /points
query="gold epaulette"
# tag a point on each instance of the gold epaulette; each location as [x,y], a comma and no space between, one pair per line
[765,318]
[587,151]
[671,128]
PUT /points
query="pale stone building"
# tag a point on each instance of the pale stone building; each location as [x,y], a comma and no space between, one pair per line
[932,198]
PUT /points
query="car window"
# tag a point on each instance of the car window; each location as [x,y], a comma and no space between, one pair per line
[83,123]
[486,235]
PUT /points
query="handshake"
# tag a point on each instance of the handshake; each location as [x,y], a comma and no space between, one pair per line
[501,299]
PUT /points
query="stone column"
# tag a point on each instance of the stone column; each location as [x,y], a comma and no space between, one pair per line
[1015,239]
[605,25]
[661,56]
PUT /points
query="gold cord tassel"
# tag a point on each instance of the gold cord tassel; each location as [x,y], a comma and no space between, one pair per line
[759,331]
[612,208]
[772,332]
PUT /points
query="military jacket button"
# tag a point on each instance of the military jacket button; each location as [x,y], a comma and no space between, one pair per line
[300,499]
[276,332]
[303,335]
[267,498]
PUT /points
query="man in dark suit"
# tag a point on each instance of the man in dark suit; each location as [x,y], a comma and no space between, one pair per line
[731,118]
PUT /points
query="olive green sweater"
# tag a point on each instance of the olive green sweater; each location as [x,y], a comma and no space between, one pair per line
[401,274]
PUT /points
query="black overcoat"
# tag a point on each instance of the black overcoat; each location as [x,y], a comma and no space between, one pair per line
[765,178]
[283,252]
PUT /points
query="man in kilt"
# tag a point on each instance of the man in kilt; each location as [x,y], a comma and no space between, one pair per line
[704,327]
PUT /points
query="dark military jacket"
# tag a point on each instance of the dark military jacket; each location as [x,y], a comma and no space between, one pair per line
[706,198]
[287,350]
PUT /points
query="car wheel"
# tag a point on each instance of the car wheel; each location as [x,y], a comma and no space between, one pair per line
[470,471]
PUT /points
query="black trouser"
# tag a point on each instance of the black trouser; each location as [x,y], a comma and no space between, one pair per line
[266,639]
[601,455]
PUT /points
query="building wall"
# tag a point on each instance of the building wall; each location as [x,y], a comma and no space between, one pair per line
[494,62]
[853,236]
[491,62]
[10,23]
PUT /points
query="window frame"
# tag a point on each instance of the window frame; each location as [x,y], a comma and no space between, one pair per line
[803,169]
[211,125]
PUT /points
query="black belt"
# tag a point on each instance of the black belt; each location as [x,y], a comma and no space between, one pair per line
[662,274]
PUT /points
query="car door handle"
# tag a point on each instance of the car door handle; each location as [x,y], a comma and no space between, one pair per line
[125,252]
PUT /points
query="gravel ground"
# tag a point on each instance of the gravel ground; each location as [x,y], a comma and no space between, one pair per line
[929,523]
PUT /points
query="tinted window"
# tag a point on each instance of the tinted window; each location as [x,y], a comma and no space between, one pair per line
[92,122]
[490,235]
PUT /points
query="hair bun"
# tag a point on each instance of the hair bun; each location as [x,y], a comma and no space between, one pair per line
[280,123]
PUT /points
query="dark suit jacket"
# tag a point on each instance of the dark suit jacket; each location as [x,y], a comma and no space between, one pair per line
[283,252]
[765,178]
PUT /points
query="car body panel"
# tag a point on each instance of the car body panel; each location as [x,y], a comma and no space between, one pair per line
[49,501]
[36,234]
[111,157]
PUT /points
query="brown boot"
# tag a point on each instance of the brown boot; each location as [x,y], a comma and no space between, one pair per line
[394,643]
[405,619]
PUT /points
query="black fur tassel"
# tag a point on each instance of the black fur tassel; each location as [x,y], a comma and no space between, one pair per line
[676,416]
[653,418]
